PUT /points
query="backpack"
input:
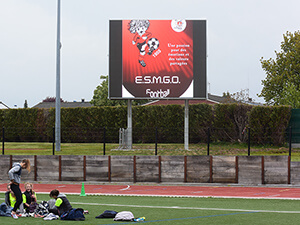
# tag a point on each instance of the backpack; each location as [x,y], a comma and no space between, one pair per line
[32,207]
[107,214]
[124,216]
[42,208]
[73,214]
[5,210]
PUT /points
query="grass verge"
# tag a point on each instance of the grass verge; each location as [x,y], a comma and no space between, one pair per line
[21,148]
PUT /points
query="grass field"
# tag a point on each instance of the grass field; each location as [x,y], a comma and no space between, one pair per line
[21,148]
[168,210]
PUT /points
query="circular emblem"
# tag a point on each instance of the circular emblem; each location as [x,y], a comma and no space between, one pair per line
[178,25]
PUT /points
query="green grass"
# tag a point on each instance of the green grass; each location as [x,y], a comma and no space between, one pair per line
[33,148]
[167,210]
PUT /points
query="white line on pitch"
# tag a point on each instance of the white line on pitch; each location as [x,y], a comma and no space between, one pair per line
[194,208]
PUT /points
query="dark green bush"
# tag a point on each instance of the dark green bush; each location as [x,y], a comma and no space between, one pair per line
[227,122]
[230,122]
[269,123]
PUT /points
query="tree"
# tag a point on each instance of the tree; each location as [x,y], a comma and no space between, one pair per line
[52,99]
[100,97]
[238,97]
[25,104]
[282,83]
[290,96]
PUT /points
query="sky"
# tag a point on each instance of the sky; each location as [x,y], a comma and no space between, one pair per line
[239,33]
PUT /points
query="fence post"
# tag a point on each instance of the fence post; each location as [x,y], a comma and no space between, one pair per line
[248,141]
[104,140]
[53,140]
[208,140]
[156,136]
[3,137]
[290,141]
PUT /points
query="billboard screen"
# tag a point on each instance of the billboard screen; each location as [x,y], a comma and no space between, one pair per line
[157,59]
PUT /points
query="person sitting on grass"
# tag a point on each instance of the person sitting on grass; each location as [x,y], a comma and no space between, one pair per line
[10,199]
[29,198]
[62,204]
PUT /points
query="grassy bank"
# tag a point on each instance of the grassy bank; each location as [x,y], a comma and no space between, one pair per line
[21,148]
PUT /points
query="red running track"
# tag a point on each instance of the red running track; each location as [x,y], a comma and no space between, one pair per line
[180,191]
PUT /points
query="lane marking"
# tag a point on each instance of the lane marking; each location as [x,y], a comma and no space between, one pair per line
[124,189]
[175,196]
[191,208]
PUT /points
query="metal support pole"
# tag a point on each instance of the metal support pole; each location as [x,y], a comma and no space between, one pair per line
[156,137]
[104,136]
[208,140]
[53,141]
[186,124]
[129,124]
[290,141]
[3,139]
[249,141]
[57,101]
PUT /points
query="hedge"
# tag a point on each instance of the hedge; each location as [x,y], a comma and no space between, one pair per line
[269,124]
[225,122]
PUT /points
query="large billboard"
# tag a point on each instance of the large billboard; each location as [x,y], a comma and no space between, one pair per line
[157,59]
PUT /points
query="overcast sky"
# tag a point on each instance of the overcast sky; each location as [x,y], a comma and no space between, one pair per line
[239,33]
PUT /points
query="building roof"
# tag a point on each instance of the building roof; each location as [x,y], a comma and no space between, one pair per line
[3,106]
[211,99]
[48,105]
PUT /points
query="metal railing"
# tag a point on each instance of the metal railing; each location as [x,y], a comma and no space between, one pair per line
[156,135]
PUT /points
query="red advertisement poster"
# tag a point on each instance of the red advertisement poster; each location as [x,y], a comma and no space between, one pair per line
[157,58]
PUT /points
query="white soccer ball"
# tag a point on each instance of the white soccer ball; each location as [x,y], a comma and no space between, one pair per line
[153,44]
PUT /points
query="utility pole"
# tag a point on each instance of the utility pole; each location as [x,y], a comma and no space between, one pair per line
[57,101]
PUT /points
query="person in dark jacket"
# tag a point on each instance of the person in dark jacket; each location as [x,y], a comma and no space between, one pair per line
[29,197]
[15,179]
[62,204]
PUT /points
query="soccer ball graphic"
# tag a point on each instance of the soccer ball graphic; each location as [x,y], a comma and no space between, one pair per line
[153,44]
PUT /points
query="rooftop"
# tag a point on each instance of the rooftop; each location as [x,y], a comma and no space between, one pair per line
[74,104]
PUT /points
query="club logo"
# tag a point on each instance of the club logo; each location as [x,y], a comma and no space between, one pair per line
[178,25]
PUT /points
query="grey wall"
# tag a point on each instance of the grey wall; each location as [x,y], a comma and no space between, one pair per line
[191,169]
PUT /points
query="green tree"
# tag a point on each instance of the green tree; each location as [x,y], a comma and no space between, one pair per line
[25,104]
[282,83]
[290,96]
[100,97]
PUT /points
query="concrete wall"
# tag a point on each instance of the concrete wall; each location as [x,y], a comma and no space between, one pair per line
[191,169]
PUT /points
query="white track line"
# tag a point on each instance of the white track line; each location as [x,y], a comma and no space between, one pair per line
[192,208]
[174,196]
[124,189]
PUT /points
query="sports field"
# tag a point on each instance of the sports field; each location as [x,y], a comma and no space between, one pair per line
[180,210]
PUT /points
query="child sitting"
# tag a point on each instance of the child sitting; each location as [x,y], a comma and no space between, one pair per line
[62,204]
[29,198]
[10,199]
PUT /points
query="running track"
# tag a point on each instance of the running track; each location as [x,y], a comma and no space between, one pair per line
[170,190]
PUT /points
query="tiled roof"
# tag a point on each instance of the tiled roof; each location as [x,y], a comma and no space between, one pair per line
[47,105]
[3,106]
